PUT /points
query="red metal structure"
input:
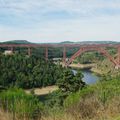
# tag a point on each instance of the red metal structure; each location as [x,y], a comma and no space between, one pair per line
[91,48]
[118,56]
[29,51]
[46,53]
[64,55]
[83,48]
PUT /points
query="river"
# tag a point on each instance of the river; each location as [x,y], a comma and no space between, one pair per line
[89,77]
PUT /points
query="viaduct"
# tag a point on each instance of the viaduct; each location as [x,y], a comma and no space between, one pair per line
[101,48]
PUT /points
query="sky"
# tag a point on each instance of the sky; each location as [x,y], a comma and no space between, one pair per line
[43,21]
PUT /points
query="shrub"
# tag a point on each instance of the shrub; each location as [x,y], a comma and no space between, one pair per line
[20,104]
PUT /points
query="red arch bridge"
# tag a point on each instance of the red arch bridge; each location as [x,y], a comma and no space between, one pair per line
[101,48]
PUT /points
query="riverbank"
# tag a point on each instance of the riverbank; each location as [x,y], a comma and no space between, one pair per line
[91,67]
[97,71]
[82,66]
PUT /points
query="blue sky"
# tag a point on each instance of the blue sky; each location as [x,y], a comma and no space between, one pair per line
[59,20]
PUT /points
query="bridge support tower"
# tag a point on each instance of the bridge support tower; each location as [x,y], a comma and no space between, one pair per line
[64,55]
[29,51]
[118,59]
[12,49]
[46,54]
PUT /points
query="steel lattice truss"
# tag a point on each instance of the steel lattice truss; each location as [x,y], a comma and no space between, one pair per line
[101,48]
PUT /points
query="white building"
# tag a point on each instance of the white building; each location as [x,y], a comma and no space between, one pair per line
[8,52]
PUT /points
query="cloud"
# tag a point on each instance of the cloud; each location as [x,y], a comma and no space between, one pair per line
[59,20]
[69,6]
[73,30]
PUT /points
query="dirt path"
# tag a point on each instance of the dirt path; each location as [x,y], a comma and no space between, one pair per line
[42,91]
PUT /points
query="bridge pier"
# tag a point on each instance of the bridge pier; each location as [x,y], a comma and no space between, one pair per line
[12,49]
[119,55]
[29,51]
[118,59]
[64,55]
[117,67]
[46,54]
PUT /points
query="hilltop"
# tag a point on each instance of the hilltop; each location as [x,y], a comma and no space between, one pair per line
[17,42]
[64,42]
[90,42]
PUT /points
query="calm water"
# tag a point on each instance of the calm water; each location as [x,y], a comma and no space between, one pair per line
[89,77]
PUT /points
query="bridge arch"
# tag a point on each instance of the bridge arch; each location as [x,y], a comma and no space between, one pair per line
[98,49]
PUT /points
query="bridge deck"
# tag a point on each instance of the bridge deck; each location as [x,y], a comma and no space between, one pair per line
[59,45]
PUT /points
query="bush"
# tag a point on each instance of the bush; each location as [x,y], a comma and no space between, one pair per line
[20,104]
[75,97]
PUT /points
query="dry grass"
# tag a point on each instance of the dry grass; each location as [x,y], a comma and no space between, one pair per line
[4,116]
[88,108]
[65,117]
[91,109]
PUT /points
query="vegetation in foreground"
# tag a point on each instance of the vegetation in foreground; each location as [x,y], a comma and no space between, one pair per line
[19,104]
[100,101]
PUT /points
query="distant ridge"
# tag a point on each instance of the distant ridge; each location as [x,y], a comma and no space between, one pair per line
[64,42]
[91,42]
[17,42]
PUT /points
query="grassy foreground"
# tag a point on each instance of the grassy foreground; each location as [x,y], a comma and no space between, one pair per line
[100,101]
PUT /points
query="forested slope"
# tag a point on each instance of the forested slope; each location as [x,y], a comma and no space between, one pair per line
[27,72]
